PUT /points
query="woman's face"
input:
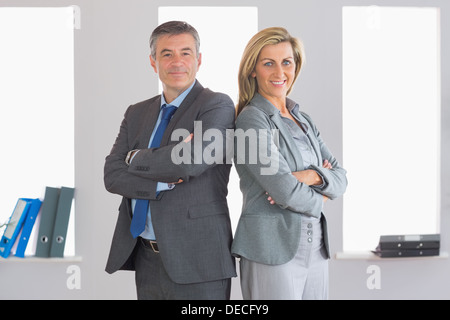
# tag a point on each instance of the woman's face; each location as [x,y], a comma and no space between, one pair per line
[275,70]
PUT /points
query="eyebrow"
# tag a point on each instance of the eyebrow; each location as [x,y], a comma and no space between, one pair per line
[170,51]
[262,59]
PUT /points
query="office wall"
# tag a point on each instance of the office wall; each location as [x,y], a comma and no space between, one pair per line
[112,71]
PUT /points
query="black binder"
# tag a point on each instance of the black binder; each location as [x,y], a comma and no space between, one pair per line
[419,241]
[407,253]
[397,246]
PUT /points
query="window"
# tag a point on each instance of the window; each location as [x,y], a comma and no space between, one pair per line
[37,105]
[391,114]
[221,44]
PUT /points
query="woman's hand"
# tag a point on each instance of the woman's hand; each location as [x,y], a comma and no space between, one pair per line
[309,177]
[327,164]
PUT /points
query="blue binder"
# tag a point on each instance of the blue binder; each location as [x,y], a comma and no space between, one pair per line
[27,227]
[15,223]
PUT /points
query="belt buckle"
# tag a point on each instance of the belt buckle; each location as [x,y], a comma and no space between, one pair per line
[154,246]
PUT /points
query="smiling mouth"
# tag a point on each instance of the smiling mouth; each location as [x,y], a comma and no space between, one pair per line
[177,71]
[278,83]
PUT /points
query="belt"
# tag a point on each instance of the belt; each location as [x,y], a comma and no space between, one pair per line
[151,244]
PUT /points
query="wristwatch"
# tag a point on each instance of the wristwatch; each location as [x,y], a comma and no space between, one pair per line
[129,156]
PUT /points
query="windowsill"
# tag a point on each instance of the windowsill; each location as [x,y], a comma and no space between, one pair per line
[70,259]
[368,255]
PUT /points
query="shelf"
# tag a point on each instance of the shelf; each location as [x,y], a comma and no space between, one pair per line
[368,255]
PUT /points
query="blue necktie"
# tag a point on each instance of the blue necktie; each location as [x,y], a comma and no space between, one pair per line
[141,206]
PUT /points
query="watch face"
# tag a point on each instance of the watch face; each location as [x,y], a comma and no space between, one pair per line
[128,158]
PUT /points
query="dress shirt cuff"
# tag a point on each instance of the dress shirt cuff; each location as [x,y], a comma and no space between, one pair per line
[130,156]
[163,186]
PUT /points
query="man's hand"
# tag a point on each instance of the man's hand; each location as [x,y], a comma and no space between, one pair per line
[188,138]
[179,181]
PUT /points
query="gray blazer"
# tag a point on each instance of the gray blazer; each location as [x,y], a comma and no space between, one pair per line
[191,222]
[268,233]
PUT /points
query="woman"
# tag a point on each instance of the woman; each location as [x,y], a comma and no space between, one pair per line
[281,237]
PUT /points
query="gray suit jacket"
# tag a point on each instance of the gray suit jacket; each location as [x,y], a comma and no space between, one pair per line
[268,233]
[191,222]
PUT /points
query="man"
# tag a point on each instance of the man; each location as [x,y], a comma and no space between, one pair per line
[183,251]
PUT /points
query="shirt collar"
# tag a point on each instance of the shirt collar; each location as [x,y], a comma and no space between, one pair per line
[178,100]
[293,107]
[294,110]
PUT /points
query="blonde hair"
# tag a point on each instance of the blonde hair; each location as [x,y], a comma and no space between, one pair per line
[248,86]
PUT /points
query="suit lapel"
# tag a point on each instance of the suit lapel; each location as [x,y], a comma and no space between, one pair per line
[314,142]
[182,109]
[151,117]
[290,143]
[275,116]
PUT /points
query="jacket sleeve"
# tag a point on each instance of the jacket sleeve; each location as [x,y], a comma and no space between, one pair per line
[266,165]
[335,182]
[117,178]
[162,164]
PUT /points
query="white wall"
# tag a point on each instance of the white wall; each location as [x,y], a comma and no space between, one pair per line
[112,71]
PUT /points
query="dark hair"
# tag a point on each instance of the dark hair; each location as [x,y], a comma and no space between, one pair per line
[173,28]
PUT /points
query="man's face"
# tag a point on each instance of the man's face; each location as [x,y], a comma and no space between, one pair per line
[176,63]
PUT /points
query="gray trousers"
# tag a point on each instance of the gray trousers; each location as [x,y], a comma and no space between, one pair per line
[153,282]
[305,277]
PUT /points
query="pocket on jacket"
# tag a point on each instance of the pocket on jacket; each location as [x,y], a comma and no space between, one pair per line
[260,226]
[208,209]
[263,239]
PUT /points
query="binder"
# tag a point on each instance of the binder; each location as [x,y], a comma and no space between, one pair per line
[415,241]
[61,222]
[28,225]
[407,253]
[416,245]
[48,215]
[15,223]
